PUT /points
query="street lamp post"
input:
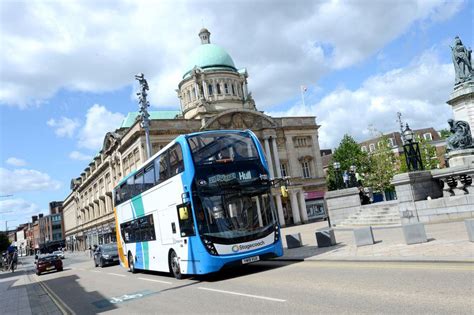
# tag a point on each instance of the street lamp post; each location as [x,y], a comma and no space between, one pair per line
[337,167]
[412,151]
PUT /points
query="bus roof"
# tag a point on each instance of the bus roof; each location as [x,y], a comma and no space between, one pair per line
[177,139]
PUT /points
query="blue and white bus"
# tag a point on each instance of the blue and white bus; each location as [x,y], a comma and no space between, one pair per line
[201,203]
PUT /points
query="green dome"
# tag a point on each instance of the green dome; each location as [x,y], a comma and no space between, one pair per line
[209,56]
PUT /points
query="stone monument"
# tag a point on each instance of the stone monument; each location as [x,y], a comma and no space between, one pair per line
[462,98]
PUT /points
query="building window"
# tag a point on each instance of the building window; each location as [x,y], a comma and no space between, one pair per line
[306,169]
[209,89]
[233,89]
[428,137]
[284,169]
[391,142]
[364,149]
[226,88]
[194,93]
[371,147]
[301,142]
[218,86]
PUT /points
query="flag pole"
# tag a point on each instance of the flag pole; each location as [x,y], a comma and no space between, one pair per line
[303,90]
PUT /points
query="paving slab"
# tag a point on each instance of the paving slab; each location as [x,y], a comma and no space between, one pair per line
[446,242]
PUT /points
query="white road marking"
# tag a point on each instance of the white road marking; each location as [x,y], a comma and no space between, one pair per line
[116,274]
[95,271]
[153,280]
[243,294]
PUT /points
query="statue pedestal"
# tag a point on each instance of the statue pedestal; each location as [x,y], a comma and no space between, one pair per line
[462,102]
[463,157]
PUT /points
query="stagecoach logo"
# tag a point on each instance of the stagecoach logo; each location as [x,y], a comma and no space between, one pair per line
[240,247]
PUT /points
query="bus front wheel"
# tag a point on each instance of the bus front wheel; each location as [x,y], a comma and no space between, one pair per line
[131,263]
[175,269]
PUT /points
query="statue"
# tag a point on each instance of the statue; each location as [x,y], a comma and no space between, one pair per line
[461,137]
[462,62]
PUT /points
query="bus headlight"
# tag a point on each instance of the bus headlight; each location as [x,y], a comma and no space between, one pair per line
[210,247]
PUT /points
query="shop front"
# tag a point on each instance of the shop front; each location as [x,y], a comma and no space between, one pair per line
[315,205]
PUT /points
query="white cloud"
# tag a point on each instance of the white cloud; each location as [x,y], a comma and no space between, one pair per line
[18,209]
[97,46]
[76,155]
[15,161]
[417,91]
[64,127]
[99,121]
[21,180]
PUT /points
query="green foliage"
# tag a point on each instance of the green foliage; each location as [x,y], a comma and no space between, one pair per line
[445,133]
[383,166]
[347,153]
[4,242]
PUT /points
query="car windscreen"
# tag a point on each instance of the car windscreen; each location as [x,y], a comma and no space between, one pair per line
[109,250]
[48,258]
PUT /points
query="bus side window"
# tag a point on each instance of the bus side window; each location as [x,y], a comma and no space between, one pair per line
[128,189]
[164,169]
[176,160]
[149,177]
[156,164]
[138,184]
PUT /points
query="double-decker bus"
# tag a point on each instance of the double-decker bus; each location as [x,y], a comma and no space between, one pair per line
[201,203]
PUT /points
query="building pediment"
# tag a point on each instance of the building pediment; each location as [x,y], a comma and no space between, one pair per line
[110,140]
[240,119]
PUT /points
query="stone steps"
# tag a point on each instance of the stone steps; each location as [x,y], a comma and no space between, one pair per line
[376,214]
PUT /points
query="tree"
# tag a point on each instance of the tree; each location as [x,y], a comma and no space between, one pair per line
[347,153]
[4,242]
[445,133]
[382,167]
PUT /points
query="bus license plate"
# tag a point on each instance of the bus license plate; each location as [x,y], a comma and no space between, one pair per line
[250,259]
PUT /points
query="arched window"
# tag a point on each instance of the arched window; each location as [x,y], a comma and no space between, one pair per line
[226,88]
[218,87]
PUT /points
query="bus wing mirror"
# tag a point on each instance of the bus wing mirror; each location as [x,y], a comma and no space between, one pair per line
[183,213]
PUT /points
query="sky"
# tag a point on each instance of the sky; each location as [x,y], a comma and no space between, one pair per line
[67,72]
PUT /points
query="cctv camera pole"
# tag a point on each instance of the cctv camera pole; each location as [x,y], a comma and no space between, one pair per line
[144,104]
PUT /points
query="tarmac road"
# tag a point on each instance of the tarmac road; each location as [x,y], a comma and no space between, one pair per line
[270,287]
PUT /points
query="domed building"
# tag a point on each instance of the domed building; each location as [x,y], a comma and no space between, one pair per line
[213,95]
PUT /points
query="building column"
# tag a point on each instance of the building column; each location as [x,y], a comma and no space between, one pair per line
[294,170]
[269,157]
[294,207]
[205,89]
[302,204]
[318,170]
[281,216]
[276,157]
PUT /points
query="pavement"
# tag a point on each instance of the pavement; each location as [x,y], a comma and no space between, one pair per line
[21,292]
[447,242]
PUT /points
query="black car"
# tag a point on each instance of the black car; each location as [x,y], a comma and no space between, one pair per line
[106,255]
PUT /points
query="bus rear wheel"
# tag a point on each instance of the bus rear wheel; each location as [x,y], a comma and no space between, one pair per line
[175,269]
[131,264]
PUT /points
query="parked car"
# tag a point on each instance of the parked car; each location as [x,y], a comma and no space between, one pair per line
[106,254]
[47,263]
[60,253]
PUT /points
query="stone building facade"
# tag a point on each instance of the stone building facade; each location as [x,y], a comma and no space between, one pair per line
[213,95]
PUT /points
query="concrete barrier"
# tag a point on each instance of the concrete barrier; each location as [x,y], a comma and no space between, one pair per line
[364,236]
[470,228]
[294,240]
[414,233]
[325,237]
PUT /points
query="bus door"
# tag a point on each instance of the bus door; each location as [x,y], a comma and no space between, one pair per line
[168,225]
